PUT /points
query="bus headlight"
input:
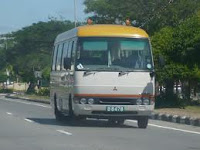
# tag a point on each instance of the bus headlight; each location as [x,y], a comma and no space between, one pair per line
[139,101]
[90,101]
[146,101]
[83,101]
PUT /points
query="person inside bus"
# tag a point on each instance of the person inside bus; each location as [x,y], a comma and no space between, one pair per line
[115,54]
[133,60]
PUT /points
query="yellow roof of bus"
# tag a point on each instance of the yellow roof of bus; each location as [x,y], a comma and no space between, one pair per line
[102,31]
[111,31]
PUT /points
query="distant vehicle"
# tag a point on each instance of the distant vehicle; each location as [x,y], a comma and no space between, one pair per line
[103,71]
[177,89]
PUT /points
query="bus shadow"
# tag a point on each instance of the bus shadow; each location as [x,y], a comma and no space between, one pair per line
[83,123]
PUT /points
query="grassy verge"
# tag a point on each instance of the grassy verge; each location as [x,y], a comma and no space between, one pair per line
[189,111]
[37,97]
[33,96]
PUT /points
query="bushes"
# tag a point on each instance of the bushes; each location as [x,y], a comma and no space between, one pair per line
[40,92]
[170,101]
[6,90]
[43,92]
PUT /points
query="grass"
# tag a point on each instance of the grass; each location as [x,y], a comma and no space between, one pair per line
[33,96]
[194,109]
[37,97]
[189,111]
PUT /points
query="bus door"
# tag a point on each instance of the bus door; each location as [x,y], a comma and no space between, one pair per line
[67,77]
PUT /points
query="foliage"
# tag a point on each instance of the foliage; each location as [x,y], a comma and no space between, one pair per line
[46,73]
[3,77]
[6,90]
[3,59]
[179,47]
[30,49]
[43,92]
[152,14]
[162,101]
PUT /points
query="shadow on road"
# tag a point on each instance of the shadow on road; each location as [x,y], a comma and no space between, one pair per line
[82,123]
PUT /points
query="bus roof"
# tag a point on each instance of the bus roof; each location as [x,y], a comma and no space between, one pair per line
[103,31]
[111,31]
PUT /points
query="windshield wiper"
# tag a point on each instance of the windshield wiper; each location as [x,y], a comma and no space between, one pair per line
[121,73]
[89,72]
[109,69]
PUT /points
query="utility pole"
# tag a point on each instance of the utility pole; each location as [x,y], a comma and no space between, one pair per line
[75,18]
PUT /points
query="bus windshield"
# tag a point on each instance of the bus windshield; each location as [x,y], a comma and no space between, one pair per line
[114,54]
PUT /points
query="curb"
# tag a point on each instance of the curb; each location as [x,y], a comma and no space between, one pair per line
[176,119]
[28,99]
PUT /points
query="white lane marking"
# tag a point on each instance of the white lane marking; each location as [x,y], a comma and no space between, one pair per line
[64,132]
[169,128]
[17,101]
[28,120]
[9,113]
[42,106]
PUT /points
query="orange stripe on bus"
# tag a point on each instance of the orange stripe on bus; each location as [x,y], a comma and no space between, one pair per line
[112,95]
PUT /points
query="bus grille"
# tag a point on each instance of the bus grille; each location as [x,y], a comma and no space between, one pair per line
[114,113]
[116,101]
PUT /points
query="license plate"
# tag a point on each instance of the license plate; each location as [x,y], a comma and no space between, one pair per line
[115,108]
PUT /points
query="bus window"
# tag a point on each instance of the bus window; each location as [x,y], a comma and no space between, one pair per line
[59,55]
[54,57]
[93,52]
[65,50]
[70,50]
[73,52]
[67,55]
[114,54]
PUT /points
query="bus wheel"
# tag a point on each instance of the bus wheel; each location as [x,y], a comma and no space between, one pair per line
[71,113]
[143,122]
[59,116]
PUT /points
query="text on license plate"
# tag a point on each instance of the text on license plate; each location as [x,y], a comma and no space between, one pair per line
[115,108]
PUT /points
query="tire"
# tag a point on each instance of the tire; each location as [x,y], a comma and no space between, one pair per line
[59,116]
[70,118]
[143,122]
[71,113]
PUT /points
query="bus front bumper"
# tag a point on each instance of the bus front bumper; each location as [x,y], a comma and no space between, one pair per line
[100,111]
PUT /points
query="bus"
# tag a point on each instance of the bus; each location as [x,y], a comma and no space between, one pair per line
[103,72]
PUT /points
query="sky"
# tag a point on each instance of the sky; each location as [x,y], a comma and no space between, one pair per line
[16,14]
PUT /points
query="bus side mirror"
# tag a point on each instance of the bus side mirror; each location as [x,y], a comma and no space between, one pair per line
[67,63]
[161,61]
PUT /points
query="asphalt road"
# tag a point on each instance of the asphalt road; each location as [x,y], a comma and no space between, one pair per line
[31,126]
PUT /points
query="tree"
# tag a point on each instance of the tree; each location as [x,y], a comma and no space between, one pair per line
[179,45]
[152,15]
[3,77]
[31,49]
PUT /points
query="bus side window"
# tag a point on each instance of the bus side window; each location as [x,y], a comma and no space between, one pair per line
[70,50]
[54,58]
[65,50]
[67,58]
[59,54]
[73,52]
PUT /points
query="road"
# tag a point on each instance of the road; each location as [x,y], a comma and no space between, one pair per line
[31,126]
